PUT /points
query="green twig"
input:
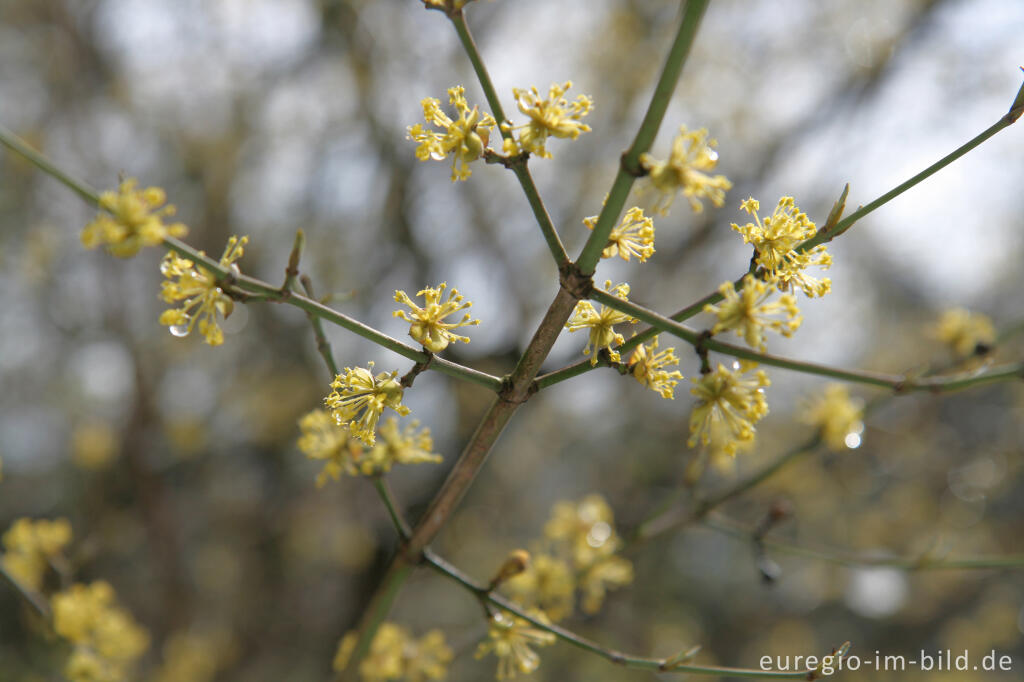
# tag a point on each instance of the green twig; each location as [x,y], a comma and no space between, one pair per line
[37,603]
[900,384]
[844,558]
[323,346]
[384,492]
[519,164]
[481,592]
[629,167]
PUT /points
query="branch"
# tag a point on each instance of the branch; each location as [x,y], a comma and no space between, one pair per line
[263,290]
[897,383]
[629,166]
[38,604]
[518,385]
[481,592]
[1015,112]
[518,164]
[924,562]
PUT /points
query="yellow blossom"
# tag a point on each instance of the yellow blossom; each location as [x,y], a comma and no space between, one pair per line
[427,326]
[586,527]
[687,170]
[965,332]
[552,117]
[395,654]
[510,638]
[409,445]
[775,240]
[133,219]
[646,365]
[323,439]
[548,583]
[464,138]
[607,572]
[728,404]
[634,236]
[105,637]
[198,290]
[94,445]
[748,312]
[194,657]
[28,547]
[601,324]
[359,398]
[839,417]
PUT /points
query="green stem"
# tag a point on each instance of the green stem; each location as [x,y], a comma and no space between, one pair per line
[16,144]
[519,166]
[323,346]
[384,492]
[920,563]
[264,290]
[629,167]
[842,226]
[629,661]
[900,384]
[37,603]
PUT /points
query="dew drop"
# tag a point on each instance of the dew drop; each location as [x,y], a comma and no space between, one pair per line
[852,440]
[179,330]
[599,534]
[437,156]
[713,155]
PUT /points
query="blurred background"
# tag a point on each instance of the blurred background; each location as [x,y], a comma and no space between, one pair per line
[176,463]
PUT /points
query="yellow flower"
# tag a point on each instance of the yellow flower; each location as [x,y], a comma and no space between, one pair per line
[686,170]
[586,528]
[776,239]
[133,219]
[201,296]
[323,439]
[359,398]
[427,326]
[194,657]
[94,445]
[965,332]
[395,654]
[634,236]
[607,572]
[106,638]
[748,312]
[728,406]
[601,324]
[402,446]
[551,117]
[510,639]
[28,547]
[646,365]
[465,138]
[547,583]
[839,417]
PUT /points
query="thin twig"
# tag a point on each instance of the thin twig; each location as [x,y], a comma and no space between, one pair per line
[481,592]
[897,383]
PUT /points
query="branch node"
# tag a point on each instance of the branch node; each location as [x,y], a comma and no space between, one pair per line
[701,347]
[631,167]
[575,282]
[417,369]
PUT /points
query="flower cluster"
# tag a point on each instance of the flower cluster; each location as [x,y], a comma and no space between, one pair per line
[749,313]
[966,333]
[199,293]
[647,364]
[427,324]
[358,398]
[633,236]
[464,138]
[601,324]
[579,553]
[728,406]
[30,545]
[134,218]
[839,417]
[554,116]
[396,655]
[195,657]
[105,637]
[510,637]
[776,240]
[324,440]
[687,171]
